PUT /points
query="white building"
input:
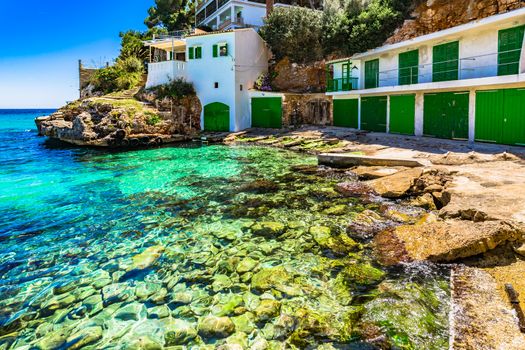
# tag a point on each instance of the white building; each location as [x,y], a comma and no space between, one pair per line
[466,82]
[229,14]
[222,66]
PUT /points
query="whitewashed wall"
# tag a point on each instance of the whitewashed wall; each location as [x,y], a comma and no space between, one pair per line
[208,70]
[251,59]
[163,72]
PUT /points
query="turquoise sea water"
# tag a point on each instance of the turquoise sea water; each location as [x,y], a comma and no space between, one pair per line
[147,249]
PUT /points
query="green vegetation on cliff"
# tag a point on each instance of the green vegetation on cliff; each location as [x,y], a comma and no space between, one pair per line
[344,27]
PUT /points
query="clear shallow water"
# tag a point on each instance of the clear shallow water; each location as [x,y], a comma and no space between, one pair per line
[137,249]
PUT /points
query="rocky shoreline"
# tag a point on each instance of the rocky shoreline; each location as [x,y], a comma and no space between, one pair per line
[122,122]
[476,217]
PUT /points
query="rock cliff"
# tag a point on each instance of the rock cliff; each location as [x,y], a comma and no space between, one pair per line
[434,15]
[111,122]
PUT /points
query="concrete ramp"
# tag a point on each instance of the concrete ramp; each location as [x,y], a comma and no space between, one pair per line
[342,160]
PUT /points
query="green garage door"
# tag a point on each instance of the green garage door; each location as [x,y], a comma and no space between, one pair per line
[402,114]
[216,117]
[500,116]
[346,113]
[446,115]
[373,113]
[267,112]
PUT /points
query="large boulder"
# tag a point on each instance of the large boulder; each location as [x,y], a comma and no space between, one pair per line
[449,240]
[397,185]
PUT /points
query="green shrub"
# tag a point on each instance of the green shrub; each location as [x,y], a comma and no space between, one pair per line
[152,118]
[124,75]
[294,32]
[175,89]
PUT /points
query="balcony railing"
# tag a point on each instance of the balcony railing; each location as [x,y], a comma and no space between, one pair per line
[472,67]
[342,84]
[206,9]
[178,34]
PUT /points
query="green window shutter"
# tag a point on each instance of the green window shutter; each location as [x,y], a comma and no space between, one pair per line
[445,61]
[226,49]
[372,74]
[510,43]
[191,53]
[408,67]
[198,52]
[215,51]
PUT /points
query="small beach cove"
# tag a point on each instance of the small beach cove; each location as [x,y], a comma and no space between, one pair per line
[203,246]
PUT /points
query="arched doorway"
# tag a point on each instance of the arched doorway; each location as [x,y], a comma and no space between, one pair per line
[216,117]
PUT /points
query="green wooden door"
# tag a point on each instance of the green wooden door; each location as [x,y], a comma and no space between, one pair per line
[489,116]
[445,61]
[514,117]
[446,115]
[346,113]
[373,113]
[408,67]
[216,117]
[500,116]
[372,74]
[510,42]
[267,112]
[402,114]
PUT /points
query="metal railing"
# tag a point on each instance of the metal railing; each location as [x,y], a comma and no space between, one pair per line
[472,67]
[178,34]
[204,10]
[342,84]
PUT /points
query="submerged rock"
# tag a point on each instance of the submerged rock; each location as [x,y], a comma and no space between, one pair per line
[85,337]
[215,327]
[267,309]
[179,332]
[271,278]
[146,258]
[268,229]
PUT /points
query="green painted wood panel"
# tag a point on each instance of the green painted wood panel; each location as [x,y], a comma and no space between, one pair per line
[216,117]
[346,113]
[373,113]
[489,116]
[445,61]
[446,115]
[408,67]
[500,116]
[402,114]
[372,74]
[267,112]
[514,117]
[510,42]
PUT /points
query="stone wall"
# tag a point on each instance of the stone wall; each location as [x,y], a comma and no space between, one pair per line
[312,109]
[435,15]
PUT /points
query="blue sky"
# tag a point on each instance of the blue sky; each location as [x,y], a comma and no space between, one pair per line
[44,39]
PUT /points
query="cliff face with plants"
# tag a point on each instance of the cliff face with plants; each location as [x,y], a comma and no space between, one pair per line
[434,15]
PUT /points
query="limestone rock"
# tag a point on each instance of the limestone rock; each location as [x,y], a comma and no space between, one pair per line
[247,264]
[268,278]
[268,229]
[85,337]
[450,240]
[179,332]
[215,327]
[374,172]
[146,258]
[267,309]
[397,185]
